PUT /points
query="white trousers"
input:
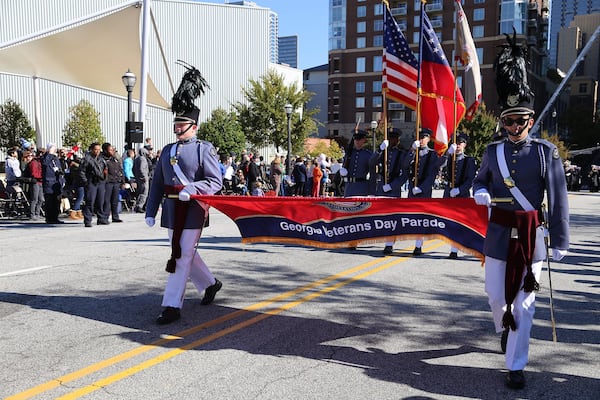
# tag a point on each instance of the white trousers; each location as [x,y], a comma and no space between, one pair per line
[189,266]
[523,308]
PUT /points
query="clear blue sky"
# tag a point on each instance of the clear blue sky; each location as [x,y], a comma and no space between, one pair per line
[308,19]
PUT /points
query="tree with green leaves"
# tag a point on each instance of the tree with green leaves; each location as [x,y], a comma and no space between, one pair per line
[14,125]
[224,132]
[481,131]
[264,120]
[333,151]
[83,126]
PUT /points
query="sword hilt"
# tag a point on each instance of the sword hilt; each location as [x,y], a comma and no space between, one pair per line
[496,200]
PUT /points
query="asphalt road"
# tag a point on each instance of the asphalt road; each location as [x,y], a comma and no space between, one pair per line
[77,311]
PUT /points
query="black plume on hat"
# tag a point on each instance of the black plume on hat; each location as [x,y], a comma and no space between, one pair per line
[514,94]
[191,87]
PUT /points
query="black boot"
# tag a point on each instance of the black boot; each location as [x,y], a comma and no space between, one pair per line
[210,292]
[169,314]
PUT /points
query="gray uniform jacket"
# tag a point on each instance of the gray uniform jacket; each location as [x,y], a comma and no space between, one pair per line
[357,181]
[464,172]
[536,167]
[199,163]
[429,165]
[396,176]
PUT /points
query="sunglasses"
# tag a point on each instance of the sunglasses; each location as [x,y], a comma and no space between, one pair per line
[510,122]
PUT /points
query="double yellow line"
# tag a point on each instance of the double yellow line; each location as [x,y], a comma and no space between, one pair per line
[333,281]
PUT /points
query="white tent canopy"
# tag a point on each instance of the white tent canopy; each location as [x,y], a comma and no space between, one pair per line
[91,54]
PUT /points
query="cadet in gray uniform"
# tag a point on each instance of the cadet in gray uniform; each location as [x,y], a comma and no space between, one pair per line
[355,169]
[522,168]
[389,175]
[459,171]
[187,167]
[428,165]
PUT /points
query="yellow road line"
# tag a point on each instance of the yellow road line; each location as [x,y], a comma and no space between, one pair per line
[177,336]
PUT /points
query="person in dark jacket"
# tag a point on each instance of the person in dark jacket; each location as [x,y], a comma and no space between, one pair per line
[300,175]
[93,173]
[114,180]
[53,182]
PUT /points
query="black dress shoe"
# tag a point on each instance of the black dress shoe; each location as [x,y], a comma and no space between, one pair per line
[55,222]
[169,314]
[210,292]
[103,222]
[515,379]
[388,250]
[453,255]
[503,340]
[88,224]
[417,251]
[117,220]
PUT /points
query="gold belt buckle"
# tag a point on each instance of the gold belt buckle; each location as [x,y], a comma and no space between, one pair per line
[509,182]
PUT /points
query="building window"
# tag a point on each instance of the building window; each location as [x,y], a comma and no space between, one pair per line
[583,88]
[377,63]
[377,101]
[337,3]
[336,65]
[360,102]
[359,117]
[416,36]
[361,42]
[360,87]
[336,117]
[376,86]
[361,11]
[360,64]
[376,116]
[478,1]
[378,26]
[417,5]
[361,27]
[336,101]
[478,31]
[479,51]
[336,86]
[378,9]
[377,41]
[479,14]
[416,21]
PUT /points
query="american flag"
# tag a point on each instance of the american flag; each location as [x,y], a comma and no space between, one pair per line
[400,66]
[440,111]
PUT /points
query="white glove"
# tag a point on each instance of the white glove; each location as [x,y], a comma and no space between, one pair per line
[452,148]
[343,171]
[416,144]
[454,192]
[384,145]
[186,192]
[55,169]
[150,221]
[387,187]
[558,254]
[416,190]
[482,198]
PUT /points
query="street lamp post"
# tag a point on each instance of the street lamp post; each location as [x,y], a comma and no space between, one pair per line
[288,111]
[373,127]
[555,121]
[128,79]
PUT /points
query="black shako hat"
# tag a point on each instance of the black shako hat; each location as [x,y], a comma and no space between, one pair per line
[394,132]
[359,134]
[462,137]
[191,87]
[191,116]
[425,132]
[514,94]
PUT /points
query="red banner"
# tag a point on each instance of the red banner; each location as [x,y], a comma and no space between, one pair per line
[328,222]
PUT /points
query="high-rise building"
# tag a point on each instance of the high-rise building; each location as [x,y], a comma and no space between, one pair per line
[356,52]
[561,14]
[288,50]
[273,29]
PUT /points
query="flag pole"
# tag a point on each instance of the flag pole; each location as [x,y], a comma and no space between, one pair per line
[384,113]
[453,171]
[419,92]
